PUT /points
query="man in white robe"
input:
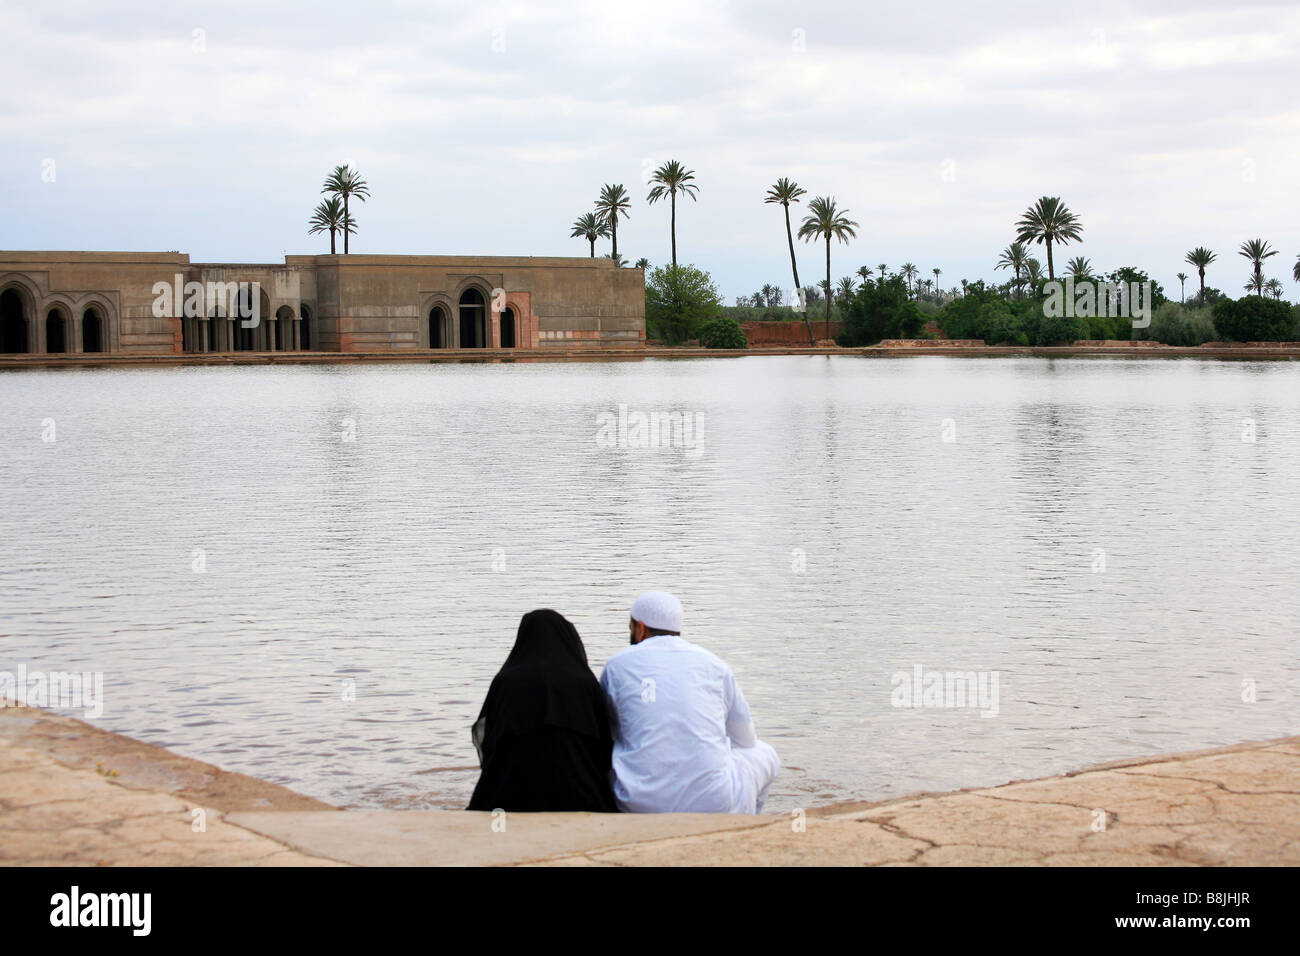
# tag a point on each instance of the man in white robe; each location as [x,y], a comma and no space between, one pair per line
[684,741]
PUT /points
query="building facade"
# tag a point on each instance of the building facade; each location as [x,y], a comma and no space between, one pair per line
[161,303]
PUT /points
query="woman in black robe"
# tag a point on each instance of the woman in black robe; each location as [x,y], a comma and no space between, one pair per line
[543,735]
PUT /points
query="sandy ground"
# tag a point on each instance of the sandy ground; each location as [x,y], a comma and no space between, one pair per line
[71,794]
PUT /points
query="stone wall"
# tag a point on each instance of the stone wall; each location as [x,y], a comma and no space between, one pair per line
[355,303]
[786,333]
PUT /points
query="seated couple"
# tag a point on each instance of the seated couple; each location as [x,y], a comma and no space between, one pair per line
[665,730]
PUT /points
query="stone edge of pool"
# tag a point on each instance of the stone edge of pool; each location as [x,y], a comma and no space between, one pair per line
[1286,351]
[72,794]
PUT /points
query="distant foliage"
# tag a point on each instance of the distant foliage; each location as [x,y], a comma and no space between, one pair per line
[1174,324]
[1253,318]
[723,333]
[880,309]
[678,301]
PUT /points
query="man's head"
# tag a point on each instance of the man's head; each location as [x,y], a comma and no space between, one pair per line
[654,613]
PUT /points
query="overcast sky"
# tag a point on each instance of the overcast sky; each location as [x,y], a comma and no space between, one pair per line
[486,129]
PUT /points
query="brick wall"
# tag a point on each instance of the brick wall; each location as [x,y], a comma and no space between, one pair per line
[786,333]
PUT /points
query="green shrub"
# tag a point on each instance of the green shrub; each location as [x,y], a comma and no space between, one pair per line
[1061,330]
[1174,324]
[1253,318]
[723,333]
[678,301]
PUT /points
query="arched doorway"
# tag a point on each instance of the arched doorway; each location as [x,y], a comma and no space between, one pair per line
[13,323]
[283,329]
[56,334]
[92,331]
[473,312]
[508,329]
[243,338]
[304,328]
[438,328]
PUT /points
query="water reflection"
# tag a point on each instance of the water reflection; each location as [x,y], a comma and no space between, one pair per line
[359,595]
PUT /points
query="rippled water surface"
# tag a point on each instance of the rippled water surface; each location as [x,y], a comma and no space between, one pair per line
[1098,533]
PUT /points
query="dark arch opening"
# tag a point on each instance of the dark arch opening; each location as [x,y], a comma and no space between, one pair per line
[92,331]
[13,324]
[508,329]
[304,331]
[437,328]
[284,329]
[472,314]
[56,336]
[244,305]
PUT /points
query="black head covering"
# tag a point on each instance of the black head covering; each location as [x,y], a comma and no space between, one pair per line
[543,734]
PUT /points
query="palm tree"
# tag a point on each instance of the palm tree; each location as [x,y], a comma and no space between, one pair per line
[618,260]
[613,200]
[909,272]
[1295,273]
[345,182]
[1033,271]
[1013,257]
[785,191]
[1048,221]
[591,227]
[882,267]
[826,221]
[936,278]
[1079,267]
[643,263]
[846,289]
[1274,288]
[1200,257]
[1257,250]
[328,217]
[1182,287]
[865,275]
[672,178]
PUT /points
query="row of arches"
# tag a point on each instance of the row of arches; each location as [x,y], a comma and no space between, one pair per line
[286,331]
[64,329]
[470,329]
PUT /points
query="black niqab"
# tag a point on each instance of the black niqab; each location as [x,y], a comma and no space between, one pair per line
[543,734]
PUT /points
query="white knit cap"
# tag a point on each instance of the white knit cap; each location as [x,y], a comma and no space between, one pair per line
[659,610]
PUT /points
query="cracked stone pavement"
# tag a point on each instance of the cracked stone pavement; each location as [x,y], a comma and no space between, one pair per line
[72,794]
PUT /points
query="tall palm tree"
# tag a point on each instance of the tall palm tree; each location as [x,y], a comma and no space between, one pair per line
[882,267]
[591,227]
[865,275]
[670,179]
[1080,267]
[1048,221]
[1295,272]
[936,278]
[846,288]
[825,220]
[1200,257]
[1014,257]
[785,191]
[909,272]
[328,217]
[1182,287]
[613,201]
[346,183]
[1274,288]
[1257,250]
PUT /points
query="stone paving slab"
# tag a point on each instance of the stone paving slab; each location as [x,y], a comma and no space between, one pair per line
[468,838]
